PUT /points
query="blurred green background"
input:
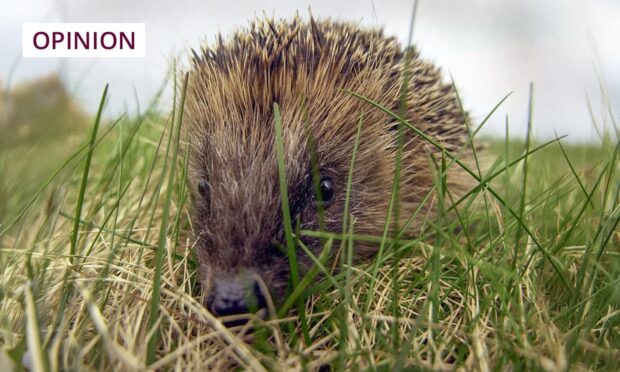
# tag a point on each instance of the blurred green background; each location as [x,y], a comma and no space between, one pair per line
[40,124]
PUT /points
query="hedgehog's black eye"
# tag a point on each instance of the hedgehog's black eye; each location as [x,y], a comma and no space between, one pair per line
[326,187]
[203,187]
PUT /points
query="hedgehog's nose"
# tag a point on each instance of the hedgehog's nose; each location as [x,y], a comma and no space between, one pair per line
[234,296]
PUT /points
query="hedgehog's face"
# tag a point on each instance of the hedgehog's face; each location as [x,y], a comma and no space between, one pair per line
[241,242]
[234,175]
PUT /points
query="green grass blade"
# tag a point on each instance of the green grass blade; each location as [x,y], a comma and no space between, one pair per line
[286,216]
[163,232]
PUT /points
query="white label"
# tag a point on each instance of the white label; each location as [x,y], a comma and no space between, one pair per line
[79,40]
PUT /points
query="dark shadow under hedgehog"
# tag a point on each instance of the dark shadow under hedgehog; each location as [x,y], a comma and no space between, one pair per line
[308,68]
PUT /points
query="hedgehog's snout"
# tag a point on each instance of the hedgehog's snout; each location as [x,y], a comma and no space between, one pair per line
[235,295]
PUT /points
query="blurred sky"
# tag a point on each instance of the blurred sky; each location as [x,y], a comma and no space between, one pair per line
[491,47]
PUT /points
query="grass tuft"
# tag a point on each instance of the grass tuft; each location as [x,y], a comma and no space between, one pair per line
[521,273]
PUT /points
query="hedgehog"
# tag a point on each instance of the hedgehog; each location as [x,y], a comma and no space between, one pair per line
[315,71]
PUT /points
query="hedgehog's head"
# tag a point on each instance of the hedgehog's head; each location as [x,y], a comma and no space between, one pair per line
[238,210]
[306,69]
[238,215]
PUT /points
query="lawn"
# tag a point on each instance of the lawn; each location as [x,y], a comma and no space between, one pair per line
[522,273]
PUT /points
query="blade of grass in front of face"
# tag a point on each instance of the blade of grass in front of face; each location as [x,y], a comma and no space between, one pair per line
[286,218]
[307,279]
[329,277]
[316,170]
[298,291]
[347,199]
[163,233]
